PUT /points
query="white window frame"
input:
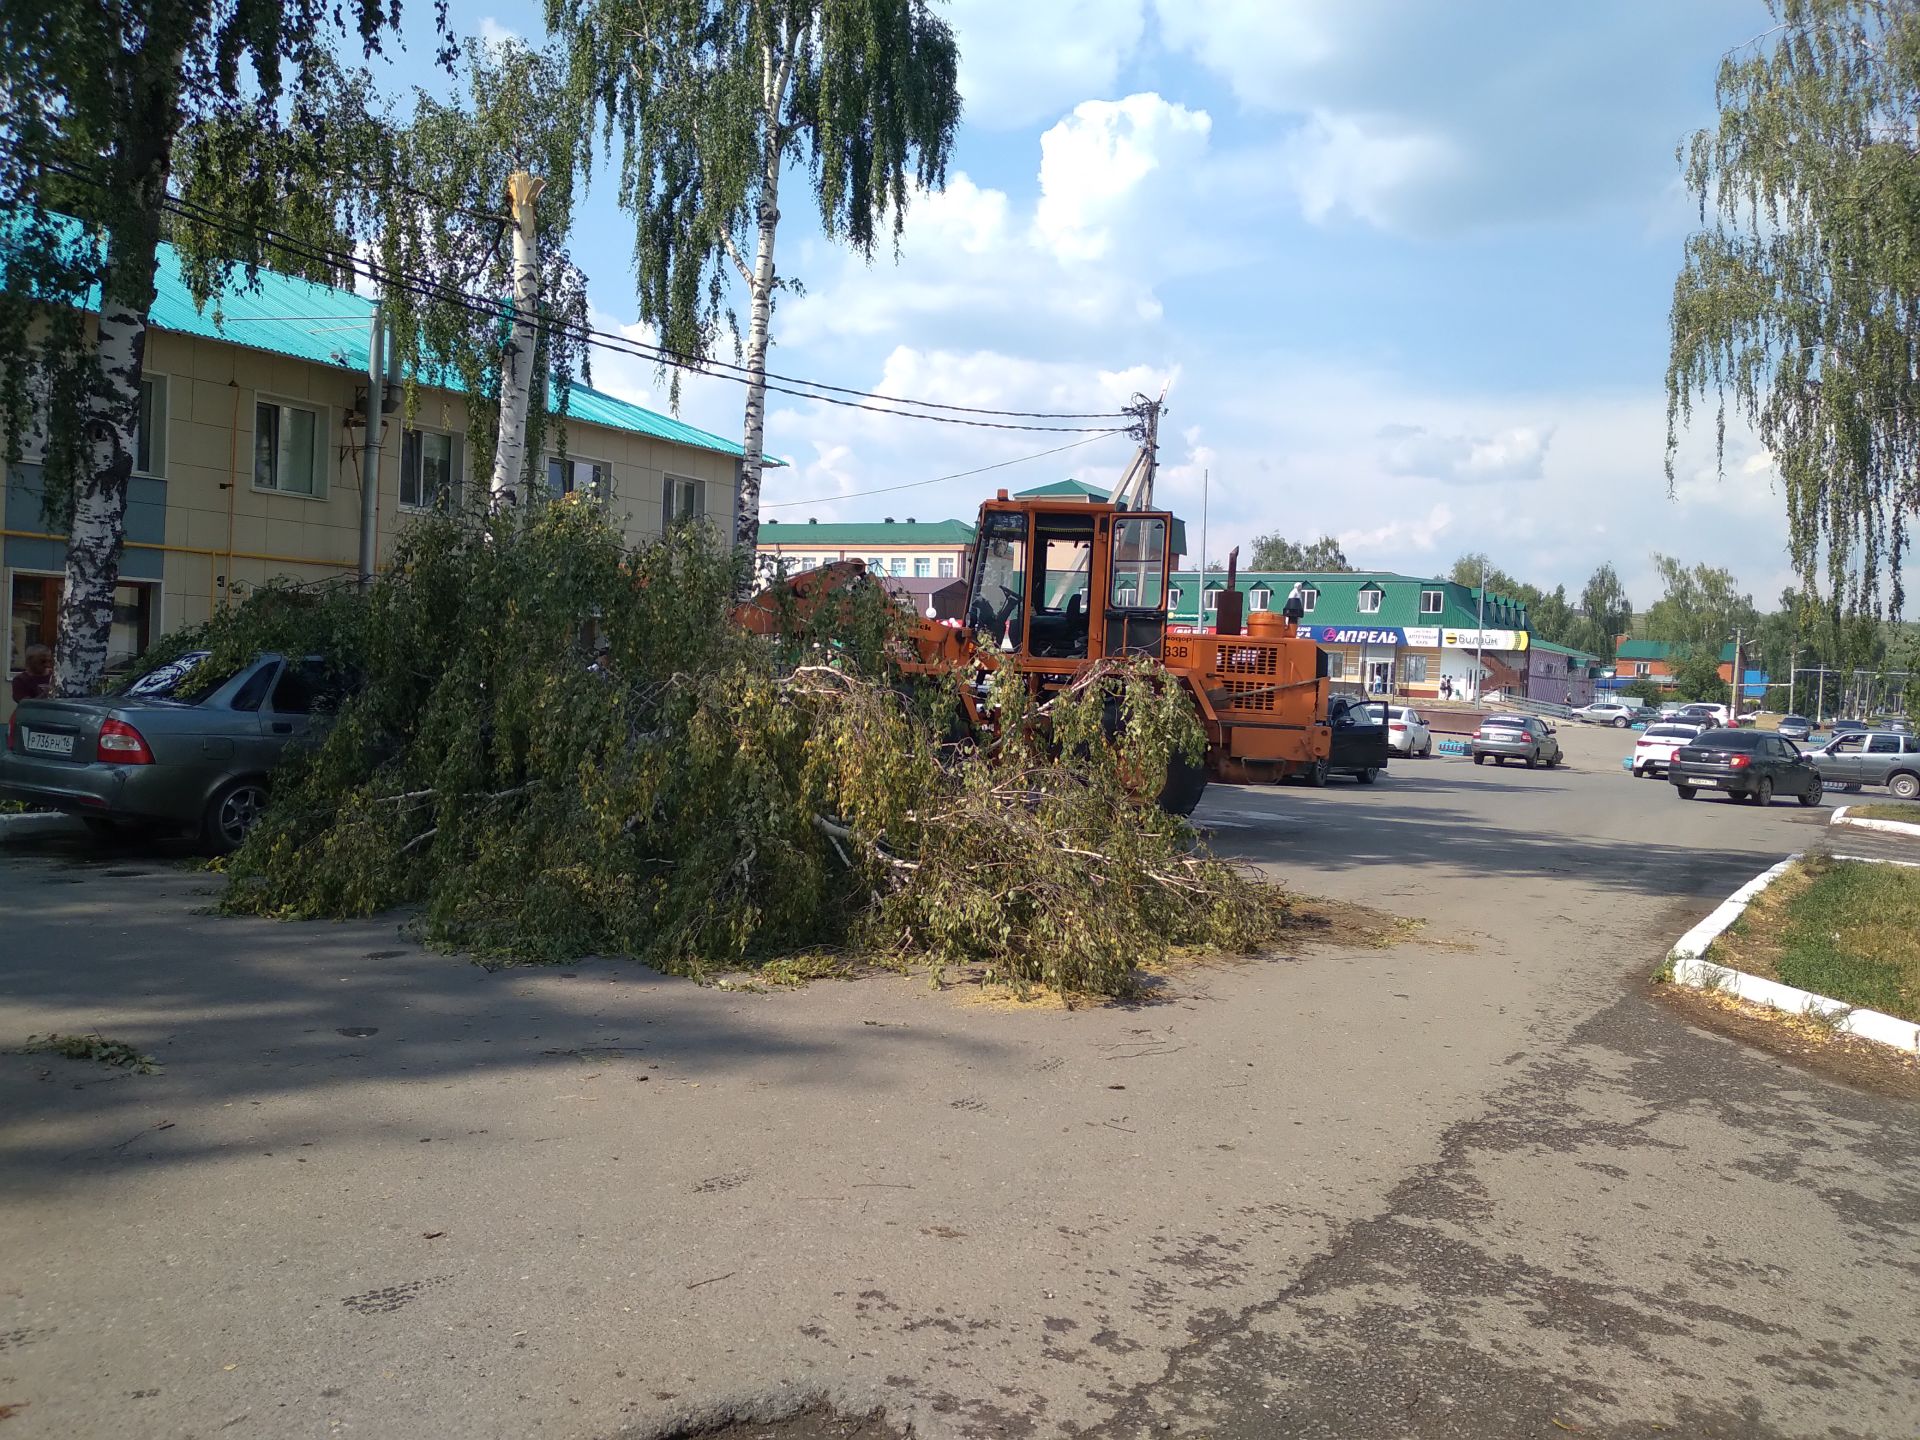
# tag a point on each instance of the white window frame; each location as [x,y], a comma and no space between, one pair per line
[1126,596]
[1210,599]
[1259,598]
[156,466]
[602,484]
[922,567]
[1641,669]
[1433,602]
[670,509]
[948,567]
[897,567]
[1309,599]
[454,477]
[1173,597]
[876,565]
[321,446]
[1373,593]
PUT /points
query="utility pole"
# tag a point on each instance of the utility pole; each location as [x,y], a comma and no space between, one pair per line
[1733,708]
[1480,633]
[1204,486]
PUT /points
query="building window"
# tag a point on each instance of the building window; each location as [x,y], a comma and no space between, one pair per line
[681,500]
[1413,670]
[1370,600]
[803,564]
[1210,599]
[1432,601]
[150,434]
[572,476]
[426,470]
[286,448]
[1259,598]
[1641,669]
[1336,665]
[1173,598]
[1125,596]
[946,567]
[1309,598]
[898,565]
[876,566]
[922,568]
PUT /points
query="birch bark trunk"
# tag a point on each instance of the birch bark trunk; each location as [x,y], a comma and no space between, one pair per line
[516,361]
[746,534]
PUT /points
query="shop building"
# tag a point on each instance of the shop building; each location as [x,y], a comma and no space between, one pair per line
[1384,633]
[248,464]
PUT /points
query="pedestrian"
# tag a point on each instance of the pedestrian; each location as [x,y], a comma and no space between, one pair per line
[37,678]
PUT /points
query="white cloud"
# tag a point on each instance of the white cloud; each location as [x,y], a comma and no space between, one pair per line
[1515,454]
[493,34]
[1022,61]
[1365,167]
[1096,164]
[1407,535]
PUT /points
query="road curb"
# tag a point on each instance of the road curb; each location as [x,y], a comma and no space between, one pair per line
[1688,966]
[19,827]
[1885,827]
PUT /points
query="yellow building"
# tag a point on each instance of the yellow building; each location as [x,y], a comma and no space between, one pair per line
[248,464]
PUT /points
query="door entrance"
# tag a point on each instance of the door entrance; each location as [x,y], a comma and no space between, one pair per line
[1379,677]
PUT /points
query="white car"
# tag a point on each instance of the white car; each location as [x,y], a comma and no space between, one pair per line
[1608,712]
[1653,751]
[1407,733]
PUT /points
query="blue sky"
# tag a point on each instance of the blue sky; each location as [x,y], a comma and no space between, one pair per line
[1406,266]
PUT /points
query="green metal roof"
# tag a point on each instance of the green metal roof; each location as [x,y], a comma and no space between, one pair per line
[1643,650]
[854,535]
[284,315]
[1535,643]
[1339,598]
[1063,487]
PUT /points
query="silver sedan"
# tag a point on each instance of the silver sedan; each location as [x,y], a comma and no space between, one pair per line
[1516,737]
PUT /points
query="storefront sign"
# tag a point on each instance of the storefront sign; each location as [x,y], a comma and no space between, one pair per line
[1481,639]
[1353,635]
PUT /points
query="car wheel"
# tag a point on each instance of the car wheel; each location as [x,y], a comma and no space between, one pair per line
[1426,751]
[1533,760]
[1365,777]
[1810,796]
[1905,786]
[1685,792]
[1316,775]
[1763,792]
[231,813]
[1479,759]
[1620,722]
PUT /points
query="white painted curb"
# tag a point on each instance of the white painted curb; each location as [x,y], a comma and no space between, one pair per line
[18,827]
[1689,968]
[1887,827]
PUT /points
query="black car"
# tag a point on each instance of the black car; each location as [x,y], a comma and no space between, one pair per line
[1751,765]
[1848,727]
[1360,743]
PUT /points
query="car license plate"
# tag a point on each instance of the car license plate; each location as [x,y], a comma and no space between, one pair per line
[1503,737]
[1702,780]
[42,742]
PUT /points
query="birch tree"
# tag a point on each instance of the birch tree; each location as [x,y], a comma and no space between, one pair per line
[712,106]
[95,98]
[1797,307]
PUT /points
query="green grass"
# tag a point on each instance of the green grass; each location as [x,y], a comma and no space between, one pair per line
[1839,928]
[1894,811]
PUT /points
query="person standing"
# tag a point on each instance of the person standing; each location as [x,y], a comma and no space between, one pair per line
[36,680]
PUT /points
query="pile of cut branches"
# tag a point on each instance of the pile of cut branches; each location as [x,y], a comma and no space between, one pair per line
[562,746]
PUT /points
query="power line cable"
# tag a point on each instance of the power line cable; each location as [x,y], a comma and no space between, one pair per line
[619,344]
[957,475]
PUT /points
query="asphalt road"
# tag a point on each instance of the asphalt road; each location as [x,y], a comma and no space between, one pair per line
[1481,1184]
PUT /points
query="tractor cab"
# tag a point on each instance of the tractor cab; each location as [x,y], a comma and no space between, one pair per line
[1056,584]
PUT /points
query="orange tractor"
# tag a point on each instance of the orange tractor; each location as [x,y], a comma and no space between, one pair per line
[1056,586]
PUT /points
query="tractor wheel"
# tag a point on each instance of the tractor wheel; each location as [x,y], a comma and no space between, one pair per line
[1186,783]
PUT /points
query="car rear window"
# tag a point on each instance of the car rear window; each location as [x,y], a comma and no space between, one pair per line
[1729,739]
[1508,722]
[1671,732]
[183,679]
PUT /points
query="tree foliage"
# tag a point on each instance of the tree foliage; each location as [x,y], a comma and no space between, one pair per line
[1798,303]
[95,98]
[1699,608]
[563,747]
[710,103]
[1605,611]
[1273,551]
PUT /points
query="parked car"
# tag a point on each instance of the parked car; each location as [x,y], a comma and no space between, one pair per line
[1670,711]
[1516,737]
[1880,757]
[1713,716]
[1654,750]
[180,748]
[1752,765]
[1407,733]
[1616,713]
[1794,727]
[1899,724]
[1848,727]
[1359,742]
